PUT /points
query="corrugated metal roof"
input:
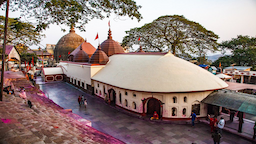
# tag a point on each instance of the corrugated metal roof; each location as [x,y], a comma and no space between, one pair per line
[238,67]
[233,100]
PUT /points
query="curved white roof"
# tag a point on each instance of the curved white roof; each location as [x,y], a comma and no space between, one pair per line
[157,73]
[52,70]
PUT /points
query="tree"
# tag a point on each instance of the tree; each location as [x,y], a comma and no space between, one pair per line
[241,42]
[225,61]
[243,49]
[174,33]
[71,12]
[27,57]
[20,33]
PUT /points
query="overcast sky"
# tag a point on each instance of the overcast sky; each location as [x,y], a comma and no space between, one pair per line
[226,18]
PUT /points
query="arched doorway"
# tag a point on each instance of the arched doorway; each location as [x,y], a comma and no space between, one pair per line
[152,106]
[112,97]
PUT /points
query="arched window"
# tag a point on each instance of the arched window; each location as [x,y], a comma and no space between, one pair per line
[96,91]
[184,111]
[98,85]
[174,99]
[185,99]
[134,94]
[126,93]
[126,103]
[174,111]
[134,105]
[120,97]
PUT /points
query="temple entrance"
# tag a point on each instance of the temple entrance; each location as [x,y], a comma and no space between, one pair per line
[112,97]
[212,109]
[152,106]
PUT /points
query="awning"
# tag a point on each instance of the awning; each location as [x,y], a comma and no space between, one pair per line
[233,100]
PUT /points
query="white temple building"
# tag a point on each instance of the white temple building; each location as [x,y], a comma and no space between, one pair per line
[142,82]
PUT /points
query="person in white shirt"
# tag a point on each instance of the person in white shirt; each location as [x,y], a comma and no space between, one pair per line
[221,124]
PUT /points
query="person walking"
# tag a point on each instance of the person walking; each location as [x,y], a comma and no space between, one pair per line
[79,100]
[213,123]
[221,125]
[193,118]
[254,129]
[216,137]
[85,103]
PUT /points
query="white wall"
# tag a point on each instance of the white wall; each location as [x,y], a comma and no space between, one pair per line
[78,72]
[14,53]
[167,99]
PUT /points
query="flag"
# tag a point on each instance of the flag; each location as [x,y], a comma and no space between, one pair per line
[69,52]
[97,36]
[109,23]
[59,56]
[139,39]
[33,61]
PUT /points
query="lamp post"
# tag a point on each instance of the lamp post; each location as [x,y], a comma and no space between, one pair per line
[4,45]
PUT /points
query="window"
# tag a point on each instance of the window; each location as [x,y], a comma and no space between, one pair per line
[83,84]
[174,99]
[96,91]
[120,97]
[134,105]
[184,111]
[98,85]
[134,94]
[174,111]
[71,80]
[100,92]
[126,103]
[126,93]
[75,82]
[185,99]
[104,89]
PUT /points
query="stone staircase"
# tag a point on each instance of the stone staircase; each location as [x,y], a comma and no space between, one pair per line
[45,122]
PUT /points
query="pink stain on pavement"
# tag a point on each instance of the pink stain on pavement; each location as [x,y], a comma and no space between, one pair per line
[8,121]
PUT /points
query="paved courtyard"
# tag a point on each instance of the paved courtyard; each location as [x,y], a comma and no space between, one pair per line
[128,128]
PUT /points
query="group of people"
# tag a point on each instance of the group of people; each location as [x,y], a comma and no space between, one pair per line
[82,101]
[216,128]
[8,90]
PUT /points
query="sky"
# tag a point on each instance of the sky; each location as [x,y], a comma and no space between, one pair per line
[226,18]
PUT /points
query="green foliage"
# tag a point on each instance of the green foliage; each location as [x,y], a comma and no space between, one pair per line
[174,33]
[225,61]
[70,12]
[28,57]
[241,42]
[20,32]
[243,50]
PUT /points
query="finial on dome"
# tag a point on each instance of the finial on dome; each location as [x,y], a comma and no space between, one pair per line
[109,34]
[169,53]
[72,29]
[99,48]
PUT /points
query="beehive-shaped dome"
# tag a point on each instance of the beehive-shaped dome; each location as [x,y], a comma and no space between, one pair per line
[67,44]
[99,57]
[86,47]
[81,56]
[110,46]
[150,72]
